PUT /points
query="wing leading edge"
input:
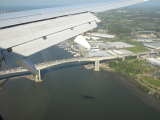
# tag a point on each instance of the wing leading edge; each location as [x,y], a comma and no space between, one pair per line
[31,38]
[18,18]
[29,32]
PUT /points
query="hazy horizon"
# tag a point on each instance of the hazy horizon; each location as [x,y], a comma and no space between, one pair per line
[53,3]
[32,3]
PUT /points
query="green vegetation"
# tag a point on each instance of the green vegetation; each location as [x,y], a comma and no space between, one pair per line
[138,49]
[125,24]
[129,20]
[137,69]
[131,66]
[152,81]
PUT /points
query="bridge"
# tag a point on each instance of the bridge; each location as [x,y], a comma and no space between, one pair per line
[46,65]
[97,60]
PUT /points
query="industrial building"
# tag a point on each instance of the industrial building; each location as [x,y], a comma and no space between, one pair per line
[101,35]
[98,53]
[113,45]
[108,53]
[153,45]
[154,61]
[146,40]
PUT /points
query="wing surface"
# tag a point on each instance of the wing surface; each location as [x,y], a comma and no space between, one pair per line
[29,32]
[22,17]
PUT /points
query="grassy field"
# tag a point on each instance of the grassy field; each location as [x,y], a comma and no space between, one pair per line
[137,49]
[137,69]
[152,81]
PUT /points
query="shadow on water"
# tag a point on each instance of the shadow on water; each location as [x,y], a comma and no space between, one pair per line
[88,97]
[87,94]
[1,118]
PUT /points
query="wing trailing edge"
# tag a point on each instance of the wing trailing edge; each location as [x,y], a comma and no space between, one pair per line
[29,32]
[32,38]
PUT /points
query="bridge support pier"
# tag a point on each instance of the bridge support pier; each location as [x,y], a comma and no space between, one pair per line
[149,55]
[138,56]
[97,62]
[37,77]
[123,58]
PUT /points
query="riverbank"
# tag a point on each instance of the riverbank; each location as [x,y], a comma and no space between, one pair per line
[148,95]
[145,76]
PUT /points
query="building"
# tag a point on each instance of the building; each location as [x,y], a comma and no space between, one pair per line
[114,45]
[145,40]
[146,36]
[153,45]
[154,61]
[98,53]
[123,52]
[108,53]
[101,35]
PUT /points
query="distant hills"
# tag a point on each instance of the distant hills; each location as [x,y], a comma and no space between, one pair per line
[5,9]
[151,3]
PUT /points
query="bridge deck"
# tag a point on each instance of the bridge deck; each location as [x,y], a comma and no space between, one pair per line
[49,64]
[46,65]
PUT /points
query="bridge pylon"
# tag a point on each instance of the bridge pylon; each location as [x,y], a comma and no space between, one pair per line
[97,63]
[37,77]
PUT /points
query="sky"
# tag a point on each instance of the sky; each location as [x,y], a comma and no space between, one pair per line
[44,2]
[49,3]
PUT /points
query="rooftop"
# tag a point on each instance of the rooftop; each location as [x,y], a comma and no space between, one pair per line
[108,53]
[115,45]
[153,45]
[154,61]
[101,35]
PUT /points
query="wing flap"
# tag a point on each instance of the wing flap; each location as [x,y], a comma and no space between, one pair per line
[29,32]
[41,44]
[16,36]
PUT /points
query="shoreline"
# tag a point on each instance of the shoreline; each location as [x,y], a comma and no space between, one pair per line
[145,93]
[137,88]
[140,92]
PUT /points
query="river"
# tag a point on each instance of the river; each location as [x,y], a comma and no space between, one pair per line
[73,93]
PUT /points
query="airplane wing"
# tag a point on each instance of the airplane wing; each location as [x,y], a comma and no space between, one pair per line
[28,32]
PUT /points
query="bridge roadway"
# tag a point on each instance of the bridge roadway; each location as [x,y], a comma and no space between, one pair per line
[49,64]
[46,65]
